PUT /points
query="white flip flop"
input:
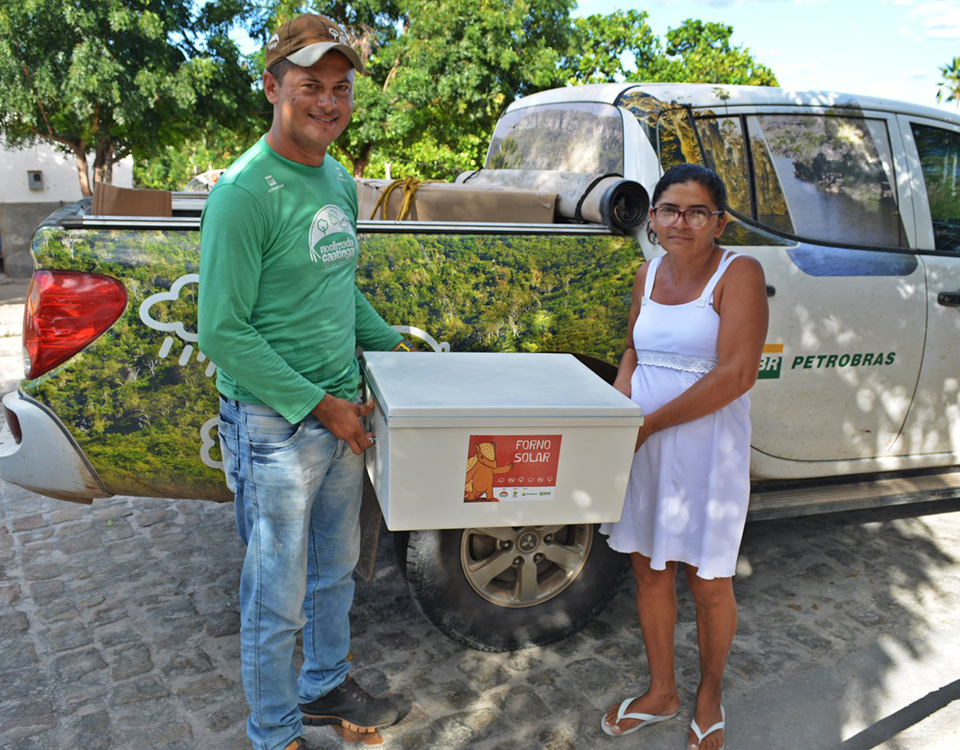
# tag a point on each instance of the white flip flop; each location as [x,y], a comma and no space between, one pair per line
[647,719]
[701,736]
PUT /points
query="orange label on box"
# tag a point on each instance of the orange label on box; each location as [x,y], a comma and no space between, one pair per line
[511,467]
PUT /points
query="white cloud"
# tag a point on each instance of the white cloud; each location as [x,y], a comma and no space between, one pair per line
[941,20]
[910,34]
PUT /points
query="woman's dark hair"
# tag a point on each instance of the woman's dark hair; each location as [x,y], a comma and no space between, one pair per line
[681,173]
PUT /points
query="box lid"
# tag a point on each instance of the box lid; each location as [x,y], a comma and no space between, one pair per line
[465,385]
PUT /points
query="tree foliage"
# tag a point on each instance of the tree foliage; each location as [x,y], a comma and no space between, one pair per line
[440,74]
[949,89]
[622,47]
[115,77]
[437,88]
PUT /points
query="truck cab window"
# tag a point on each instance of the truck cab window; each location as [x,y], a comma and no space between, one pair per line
[835,176]
[940,163]
[725,152]
[569,137]
[771,202]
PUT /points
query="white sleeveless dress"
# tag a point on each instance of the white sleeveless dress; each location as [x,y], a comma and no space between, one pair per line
[690,484]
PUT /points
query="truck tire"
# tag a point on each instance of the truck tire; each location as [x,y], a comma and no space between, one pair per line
[502,589]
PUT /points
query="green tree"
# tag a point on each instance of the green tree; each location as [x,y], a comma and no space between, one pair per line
[114,77]
[606,48]
[438,74]
[621,46]
[436,89]
[699,52]
[949,89]
[172,166]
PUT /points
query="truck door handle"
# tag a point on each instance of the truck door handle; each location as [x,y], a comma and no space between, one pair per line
[949,299]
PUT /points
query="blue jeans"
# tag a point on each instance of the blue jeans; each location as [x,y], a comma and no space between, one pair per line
[298,492]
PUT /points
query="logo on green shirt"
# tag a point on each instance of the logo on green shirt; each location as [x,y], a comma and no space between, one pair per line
[333,239]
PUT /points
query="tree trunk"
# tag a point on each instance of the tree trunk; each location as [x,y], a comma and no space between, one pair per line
[83,172]
[361,160]
[103,163]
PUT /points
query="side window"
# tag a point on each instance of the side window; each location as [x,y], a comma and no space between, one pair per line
[569,137]
[835,177]
[940,163]
[772,208]
[676,140]
[725,152]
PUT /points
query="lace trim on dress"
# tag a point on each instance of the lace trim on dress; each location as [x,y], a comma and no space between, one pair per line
[673,361]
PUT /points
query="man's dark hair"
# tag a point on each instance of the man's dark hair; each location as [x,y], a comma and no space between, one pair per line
[279,69]
[682,173]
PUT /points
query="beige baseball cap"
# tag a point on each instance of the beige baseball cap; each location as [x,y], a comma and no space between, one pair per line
[308,37]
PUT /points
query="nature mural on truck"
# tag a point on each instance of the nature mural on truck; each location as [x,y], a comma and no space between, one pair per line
[141,400]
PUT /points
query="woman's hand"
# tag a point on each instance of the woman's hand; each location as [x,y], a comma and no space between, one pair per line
[643,433]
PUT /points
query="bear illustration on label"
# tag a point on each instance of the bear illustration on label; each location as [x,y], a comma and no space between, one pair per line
[481,469]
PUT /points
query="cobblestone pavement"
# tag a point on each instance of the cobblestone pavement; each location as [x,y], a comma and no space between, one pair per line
[119,629]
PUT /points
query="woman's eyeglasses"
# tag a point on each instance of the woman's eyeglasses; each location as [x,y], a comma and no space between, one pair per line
[695,217]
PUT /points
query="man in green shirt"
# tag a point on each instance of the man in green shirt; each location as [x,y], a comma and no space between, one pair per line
[281,316]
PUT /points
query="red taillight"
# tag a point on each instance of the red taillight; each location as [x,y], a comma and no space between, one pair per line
[65,311]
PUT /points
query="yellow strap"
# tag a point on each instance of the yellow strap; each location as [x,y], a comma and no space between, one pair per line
[408,187]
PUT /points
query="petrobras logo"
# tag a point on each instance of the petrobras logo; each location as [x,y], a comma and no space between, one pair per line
[333,239]
[771,361]
[274,41]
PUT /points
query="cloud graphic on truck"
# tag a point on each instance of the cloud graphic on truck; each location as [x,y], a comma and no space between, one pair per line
[208,442]
[176,327]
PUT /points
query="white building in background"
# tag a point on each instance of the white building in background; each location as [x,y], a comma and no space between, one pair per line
[34,182]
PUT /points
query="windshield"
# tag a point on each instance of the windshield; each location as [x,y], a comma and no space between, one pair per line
[567,137]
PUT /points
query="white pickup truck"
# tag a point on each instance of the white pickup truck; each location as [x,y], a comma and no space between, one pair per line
[851,204]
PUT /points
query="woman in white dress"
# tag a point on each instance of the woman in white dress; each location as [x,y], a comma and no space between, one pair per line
[696,331]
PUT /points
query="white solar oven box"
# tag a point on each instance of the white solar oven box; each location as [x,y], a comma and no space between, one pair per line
[483,440]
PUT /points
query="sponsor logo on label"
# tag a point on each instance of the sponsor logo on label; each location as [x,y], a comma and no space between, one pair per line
[333,239]
[857,359]
[274,41]
[771,361]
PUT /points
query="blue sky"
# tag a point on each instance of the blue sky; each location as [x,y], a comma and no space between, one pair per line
[887,48]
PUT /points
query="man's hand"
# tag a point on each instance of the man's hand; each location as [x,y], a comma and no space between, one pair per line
[342,418]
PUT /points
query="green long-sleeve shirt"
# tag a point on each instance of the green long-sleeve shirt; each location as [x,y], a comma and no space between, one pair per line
[279,310]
